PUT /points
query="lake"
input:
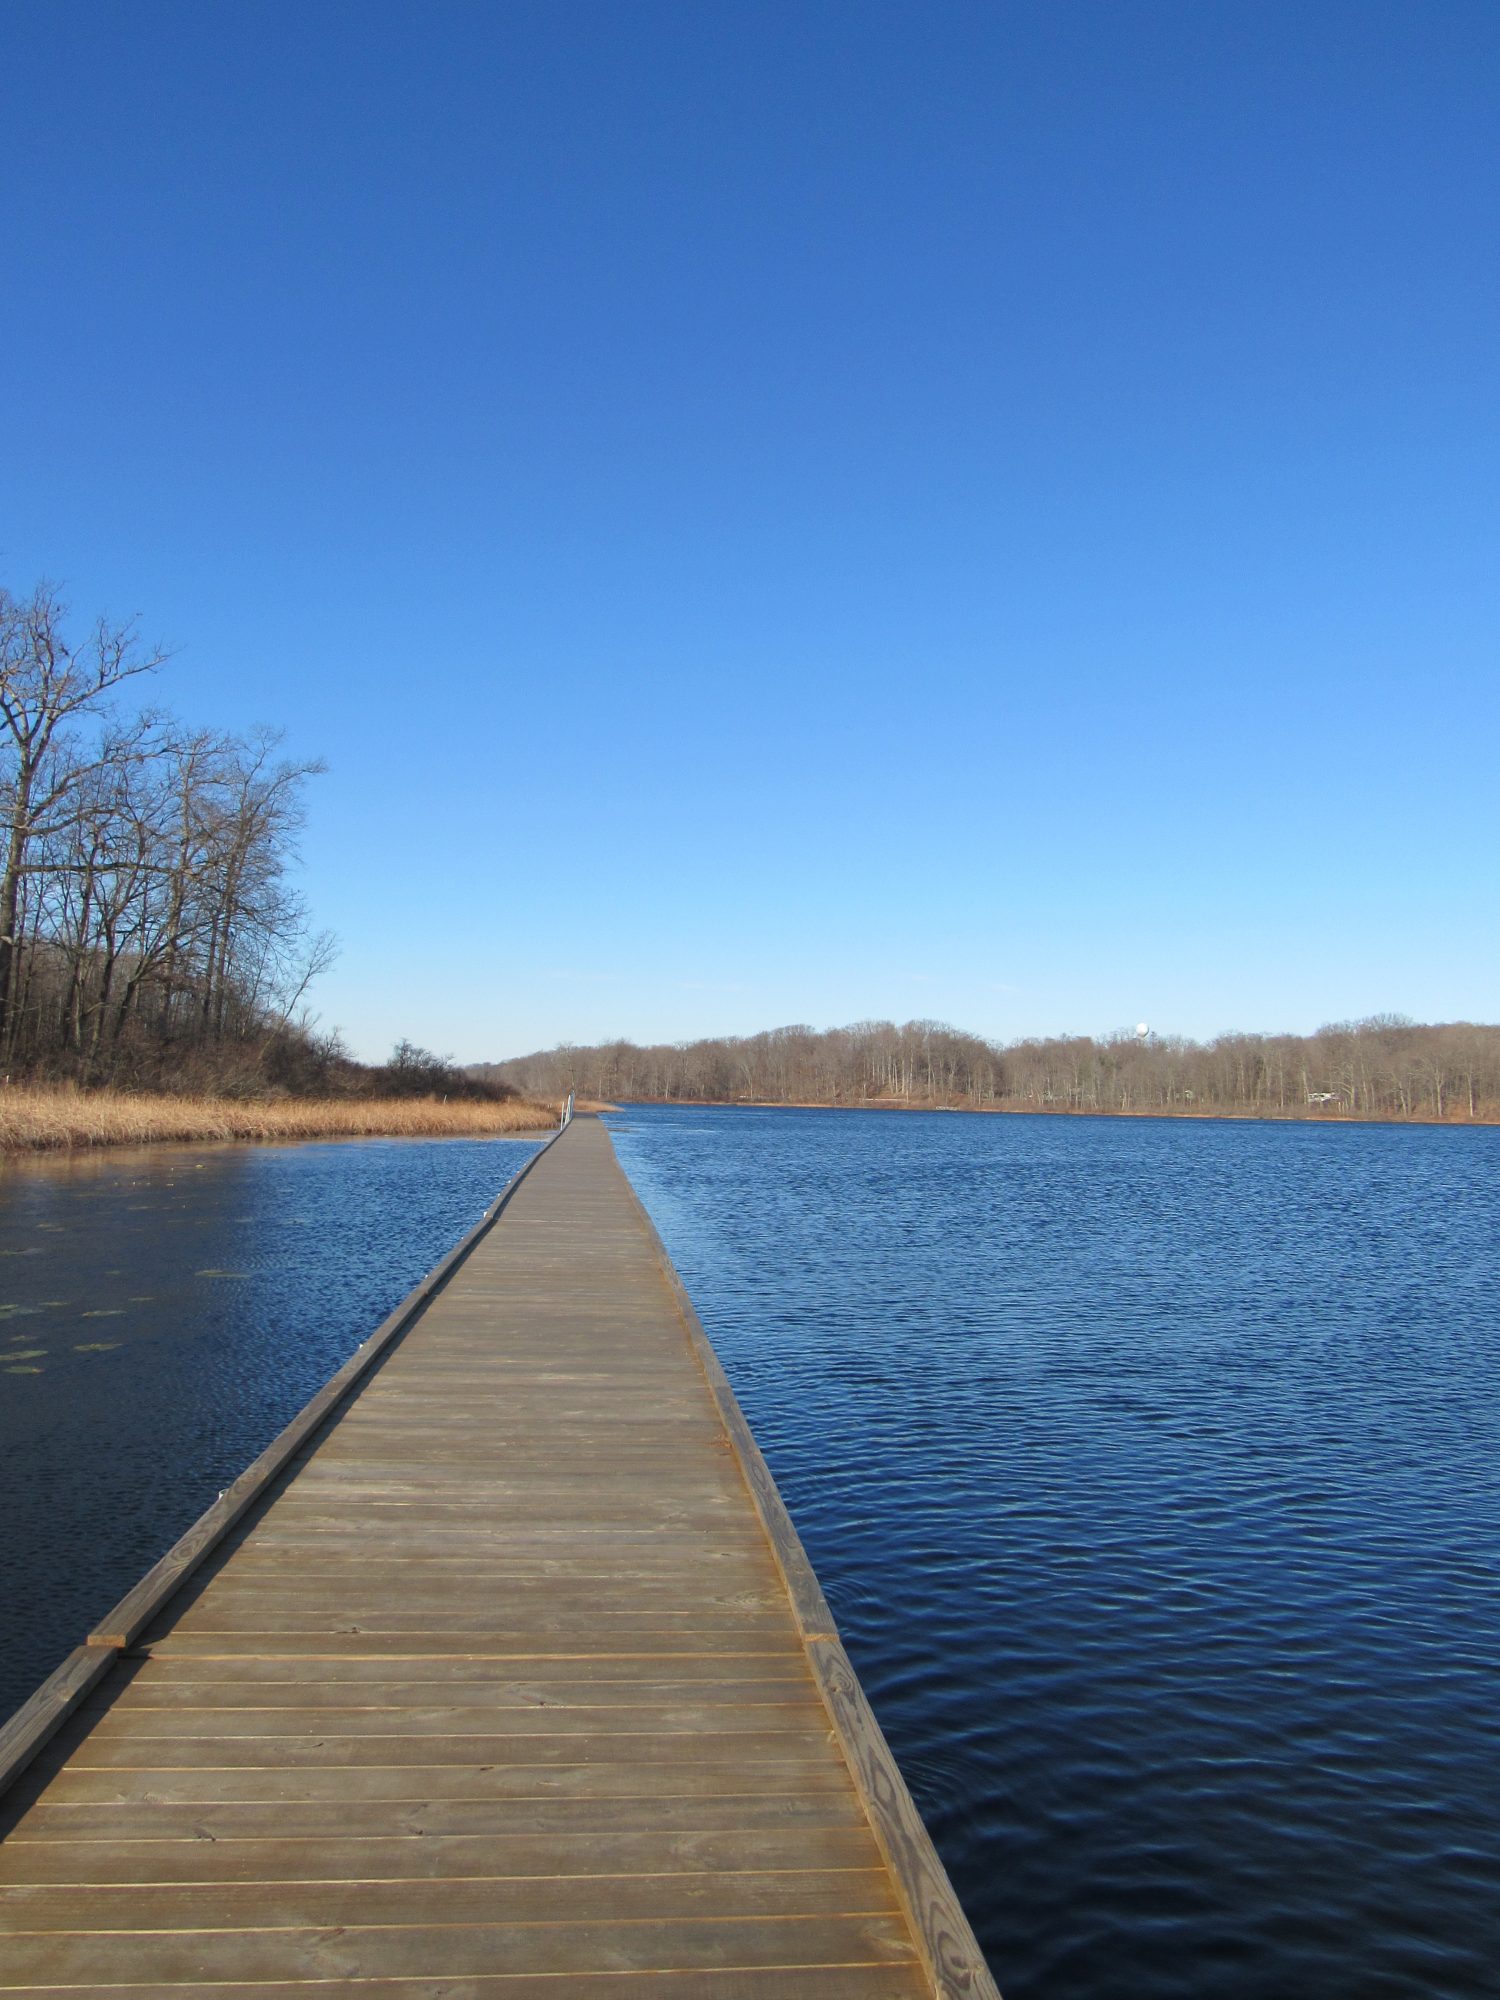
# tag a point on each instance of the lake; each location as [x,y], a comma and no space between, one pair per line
[163,1313]
[1152,1469]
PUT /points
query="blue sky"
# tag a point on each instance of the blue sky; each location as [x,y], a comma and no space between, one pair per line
[796,512]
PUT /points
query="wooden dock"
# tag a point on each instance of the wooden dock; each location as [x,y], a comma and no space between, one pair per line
[503,1673]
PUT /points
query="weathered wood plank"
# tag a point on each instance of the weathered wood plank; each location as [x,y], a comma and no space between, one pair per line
[789,1769]
[336,1953]
[343,1953]
[134,1726]
[371,1587]
[455,1857]
[569,1947]
[765,1982]
[292,1753]
[476,1645]
[81,1910]
[709,1569]
[159,1696]
[536,1541]
[479,1609]
[345,1678]
[480,1451]
[318,1822]
[491,1496]
[543,1575]
[367,1582]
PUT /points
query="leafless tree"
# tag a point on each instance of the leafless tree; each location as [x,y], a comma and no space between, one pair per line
[145,900]
[46,685]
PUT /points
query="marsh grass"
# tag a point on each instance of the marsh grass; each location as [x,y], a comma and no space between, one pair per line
[38,1117]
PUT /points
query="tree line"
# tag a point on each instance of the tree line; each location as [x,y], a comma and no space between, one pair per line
[1382,1067]
[150,934]
[144,900]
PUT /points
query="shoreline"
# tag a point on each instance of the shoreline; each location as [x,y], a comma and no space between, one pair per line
[41,1119]
[1487,1117]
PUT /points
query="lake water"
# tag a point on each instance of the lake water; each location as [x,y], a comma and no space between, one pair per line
[163,1314]
[1153,1472]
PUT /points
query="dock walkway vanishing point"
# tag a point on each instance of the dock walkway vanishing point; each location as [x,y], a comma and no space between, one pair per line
[502,1673]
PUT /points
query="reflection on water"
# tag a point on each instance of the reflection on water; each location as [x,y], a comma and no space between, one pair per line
[1153,1472]
[162,1314]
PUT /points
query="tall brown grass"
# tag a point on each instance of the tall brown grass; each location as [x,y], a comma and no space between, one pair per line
[34,1116]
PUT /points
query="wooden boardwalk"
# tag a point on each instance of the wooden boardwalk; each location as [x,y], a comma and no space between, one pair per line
[513,1679]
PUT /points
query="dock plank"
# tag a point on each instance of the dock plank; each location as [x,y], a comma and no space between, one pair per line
[451,1857]
[339,1952]
[798,1982]
[320,1822]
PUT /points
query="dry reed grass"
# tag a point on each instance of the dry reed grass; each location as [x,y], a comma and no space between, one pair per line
[34,1117]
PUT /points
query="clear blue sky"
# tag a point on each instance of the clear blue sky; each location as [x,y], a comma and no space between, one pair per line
[797,511]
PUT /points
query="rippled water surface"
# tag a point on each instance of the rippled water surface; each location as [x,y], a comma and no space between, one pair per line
[162,1315]
[1153,1471]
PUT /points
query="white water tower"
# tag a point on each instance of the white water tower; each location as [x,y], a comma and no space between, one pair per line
[1142,1030]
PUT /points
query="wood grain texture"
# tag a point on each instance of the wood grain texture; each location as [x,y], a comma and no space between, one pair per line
[321,1823]
[504,1672]
[564,1948]
[148,1787]
[769,1982]
[413,1857]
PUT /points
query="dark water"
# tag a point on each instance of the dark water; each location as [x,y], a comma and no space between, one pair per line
[162,1315]
[1153,1471]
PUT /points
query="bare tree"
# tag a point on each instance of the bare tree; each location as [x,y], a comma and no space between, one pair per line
[46,683]
[146,904]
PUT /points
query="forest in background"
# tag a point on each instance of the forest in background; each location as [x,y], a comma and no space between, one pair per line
[150,935]
[1383,1067]
[151,938]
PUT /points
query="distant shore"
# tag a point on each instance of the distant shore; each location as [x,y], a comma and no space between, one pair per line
[1487,1114]
[39,1118]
